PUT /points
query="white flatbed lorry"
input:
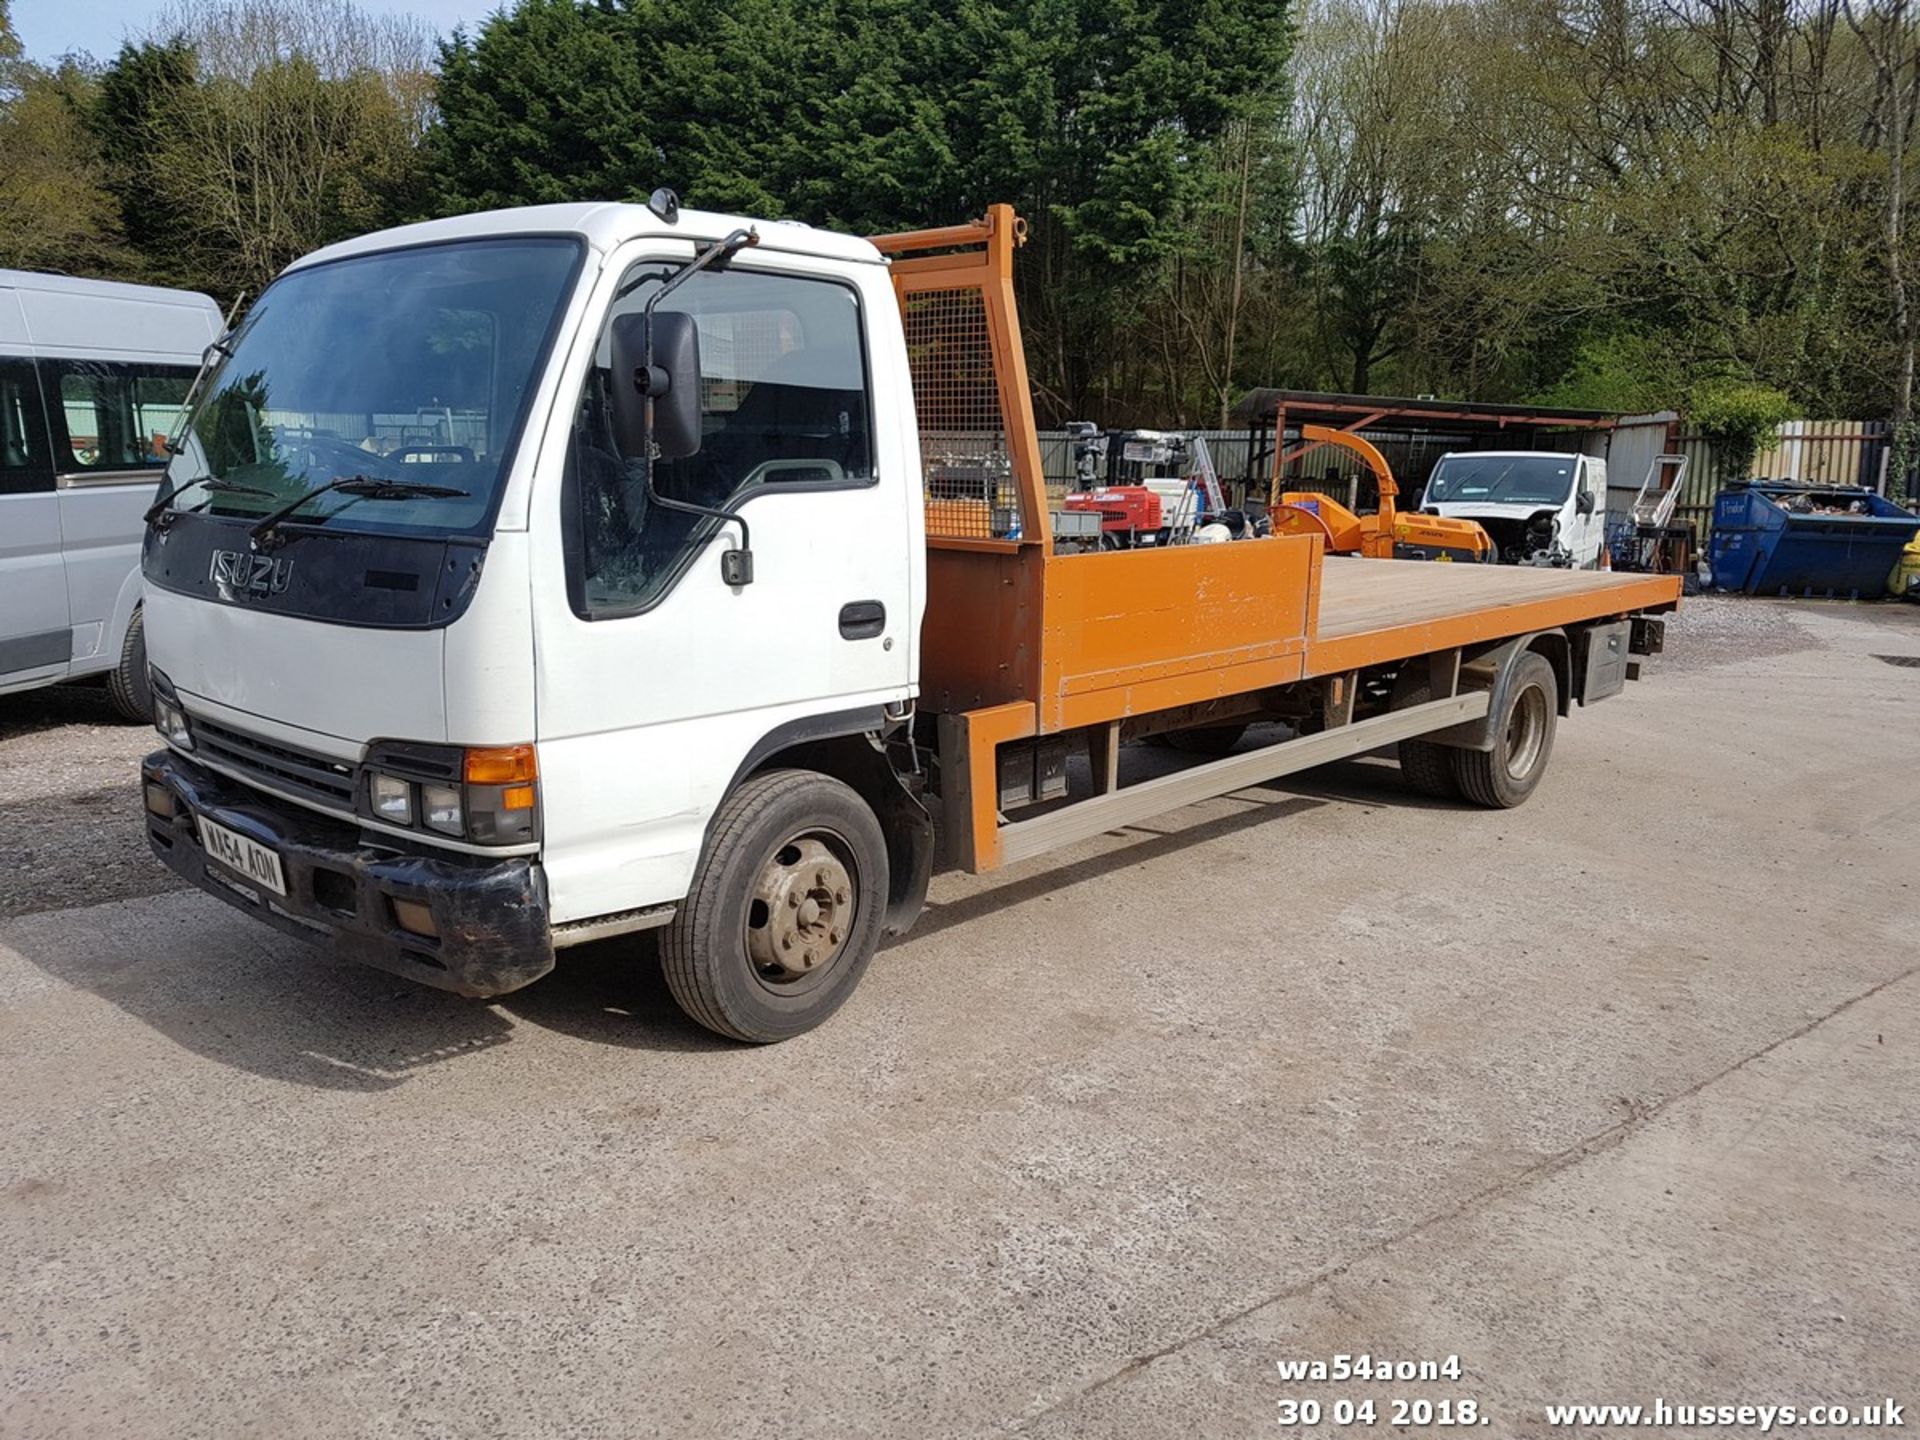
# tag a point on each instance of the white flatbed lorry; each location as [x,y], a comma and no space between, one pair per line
[556,574]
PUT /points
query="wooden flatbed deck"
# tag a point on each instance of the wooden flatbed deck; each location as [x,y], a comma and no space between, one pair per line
[1375,610]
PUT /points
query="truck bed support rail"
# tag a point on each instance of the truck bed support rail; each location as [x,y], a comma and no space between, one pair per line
[1024,839]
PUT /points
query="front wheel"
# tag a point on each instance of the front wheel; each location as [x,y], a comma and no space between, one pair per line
[1506,775]
[785,912]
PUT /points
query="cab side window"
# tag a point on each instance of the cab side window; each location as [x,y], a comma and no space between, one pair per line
[114,417]
[26,464]
[785,404]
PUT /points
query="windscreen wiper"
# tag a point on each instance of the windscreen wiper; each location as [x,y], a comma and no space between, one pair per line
[266,531]
[161,512]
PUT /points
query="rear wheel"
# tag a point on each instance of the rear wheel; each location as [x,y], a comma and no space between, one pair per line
[1428,768]
[127,688]
[785,912]
[1507,774]
[1425,766]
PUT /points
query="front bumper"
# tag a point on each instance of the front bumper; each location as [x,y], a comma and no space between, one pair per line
[491,915]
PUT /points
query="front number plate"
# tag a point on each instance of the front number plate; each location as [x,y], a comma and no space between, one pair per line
[250,859]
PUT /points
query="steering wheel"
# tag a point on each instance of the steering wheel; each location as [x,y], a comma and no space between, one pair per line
[400,453]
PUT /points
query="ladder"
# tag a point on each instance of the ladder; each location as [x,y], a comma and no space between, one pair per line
[1209,477]
[1660,492]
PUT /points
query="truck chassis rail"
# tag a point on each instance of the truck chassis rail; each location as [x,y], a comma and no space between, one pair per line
[1024,839]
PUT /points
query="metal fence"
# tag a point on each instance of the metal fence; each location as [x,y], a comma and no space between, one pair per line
[1229,449]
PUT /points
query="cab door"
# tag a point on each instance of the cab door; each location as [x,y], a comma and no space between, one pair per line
[36,639]
[658,677]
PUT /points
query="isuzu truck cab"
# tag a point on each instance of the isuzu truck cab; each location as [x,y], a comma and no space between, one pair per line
[550,575]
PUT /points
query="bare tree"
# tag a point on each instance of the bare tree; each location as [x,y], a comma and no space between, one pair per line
[304,123]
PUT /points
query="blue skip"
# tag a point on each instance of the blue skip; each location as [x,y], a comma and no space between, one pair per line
[1785,537]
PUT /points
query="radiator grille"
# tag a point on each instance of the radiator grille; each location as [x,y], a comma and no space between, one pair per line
[300,772]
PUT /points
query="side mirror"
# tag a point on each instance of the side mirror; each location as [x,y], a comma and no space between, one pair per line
[673,383]
[1583,502]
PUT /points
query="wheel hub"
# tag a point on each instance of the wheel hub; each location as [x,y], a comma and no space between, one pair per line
[1526,731]
[801,912]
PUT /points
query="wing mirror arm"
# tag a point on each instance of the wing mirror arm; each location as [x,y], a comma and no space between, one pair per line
[666,378]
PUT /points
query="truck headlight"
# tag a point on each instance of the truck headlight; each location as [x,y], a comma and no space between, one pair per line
[171,721]
[486,795]
[392,799]
[440,809]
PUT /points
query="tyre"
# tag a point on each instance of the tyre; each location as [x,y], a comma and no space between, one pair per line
[1212,741]
[785,910]
[1425,766]
[1506,775]
[127,688]
[1428,768]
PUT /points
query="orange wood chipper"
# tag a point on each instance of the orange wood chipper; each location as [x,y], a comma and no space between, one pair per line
[1389,533]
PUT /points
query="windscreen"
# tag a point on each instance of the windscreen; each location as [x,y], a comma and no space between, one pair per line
[405,365]
[1501,480]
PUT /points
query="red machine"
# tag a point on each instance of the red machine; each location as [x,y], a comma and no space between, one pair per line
[1121,508]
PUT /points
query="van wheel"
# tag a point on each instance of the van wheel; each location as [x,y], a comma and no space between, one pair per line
[127,688]
[1504,776]
[785,912]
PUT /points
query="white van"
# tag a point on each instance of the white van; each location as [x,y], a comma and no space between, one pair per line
[92,378]
[1541,507]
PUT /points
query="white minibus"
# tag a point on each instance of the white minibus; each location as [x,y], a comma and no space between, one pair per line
[93,375]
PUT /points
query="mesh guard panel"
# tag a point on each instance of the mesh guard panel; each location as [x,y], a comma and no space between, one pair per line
[965,464]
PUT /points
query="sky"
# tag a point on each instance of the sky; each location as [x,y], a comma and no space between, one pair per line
[50,28]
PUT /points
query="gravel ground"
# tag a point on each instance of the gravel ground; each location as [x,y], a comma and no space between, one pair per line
[70,828]
[1715,629]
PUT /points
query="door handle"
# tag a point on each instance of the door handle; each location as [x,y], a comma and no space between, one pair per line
[862,619]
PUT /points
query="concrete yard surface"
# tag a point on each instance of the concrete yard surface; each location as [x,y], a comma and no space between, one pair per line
[1615,1096]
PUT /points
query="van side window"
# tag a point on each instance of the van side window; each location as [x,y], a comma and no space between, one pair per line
[785,403]
[25,462]
[114,417]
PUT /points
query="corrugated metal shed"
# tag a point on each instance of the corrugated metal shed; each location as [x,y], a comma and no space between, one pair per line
[1631,450]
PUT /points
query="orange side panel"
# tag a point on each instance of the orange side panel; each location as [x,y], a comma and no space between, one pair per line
[979,643]
[1133,631]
